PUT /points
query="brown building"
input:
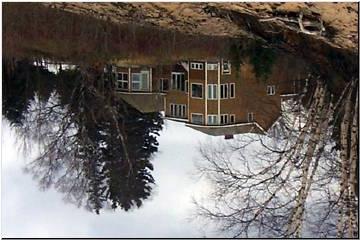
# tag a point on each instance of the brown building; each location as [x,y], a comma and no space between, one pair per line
[211,96]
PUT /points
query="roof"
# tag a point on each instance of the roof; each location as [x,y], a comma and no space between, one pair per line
[232,129]
[144,102]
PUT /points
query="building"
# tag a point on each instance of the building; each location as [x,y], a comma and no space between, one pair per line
[211,96]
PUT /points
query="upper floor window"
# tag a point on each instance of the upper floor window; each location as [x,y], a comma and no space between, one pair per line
[226,67]
[164,85]
[271,90]
[212,66]
[196,66]
[122,80]
[178,81]
[196,90]
[140,81]
[212,91]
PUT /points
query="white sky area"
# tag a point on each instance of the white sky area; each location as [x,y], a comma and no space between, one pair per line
[29,212]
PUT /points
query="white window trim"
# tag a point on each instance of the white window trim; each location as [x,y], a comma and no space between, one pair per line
[227,117]
[212,86]
[202,90]
[181,107]
[161,84]
[232,115]
[196,66]
[272,87]
[227,92]
[222,68]
[250,119]
[123,81]
[213,116]
[214,66]
[171,83]
[198,114]
[232,84]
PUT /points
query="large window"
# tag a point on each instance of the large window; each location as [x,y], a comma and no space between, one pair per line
[232,90]
[224,119]
[178,110]
[271,90]
[164,85]
[197,118]
[212,66]
[224,91]
[178,81]
[122,80]
[212,119]
[196,66]
[212,91]
[226,67]
[196,90]
[140,81]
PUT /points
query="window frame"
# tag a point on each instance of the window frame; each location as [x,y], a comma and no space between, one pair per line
[122,81]
[225,91]
[214,67]
[196,66]
[270,90]
[175,108]
[197,114]
[214,91]
[234,87]
[232,116]
[202,90]
[224,116]
[250,117]
[228,72]
[162,84]
[175,86]
[213,116]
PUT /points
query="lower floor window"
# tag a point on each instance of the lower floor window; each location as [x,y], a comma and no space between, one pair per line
[224,119]
[232,118]
[196,90]
[250,117]
[197,118]
[178,110]
[212,119]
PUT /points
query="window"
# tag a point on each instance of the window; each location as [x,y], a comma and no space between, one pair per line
[224,91]
[164,85]
[196,66]
[140,81]
[187,86]
[224,119]
[212,66]
[226,67]
[197,118]
[178,81]
[212,119]
[232,90]
[135,81]
[250,117]
[271,90]
[196,90]
[212,91]
[122,80]
[232,118]
[178,110]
